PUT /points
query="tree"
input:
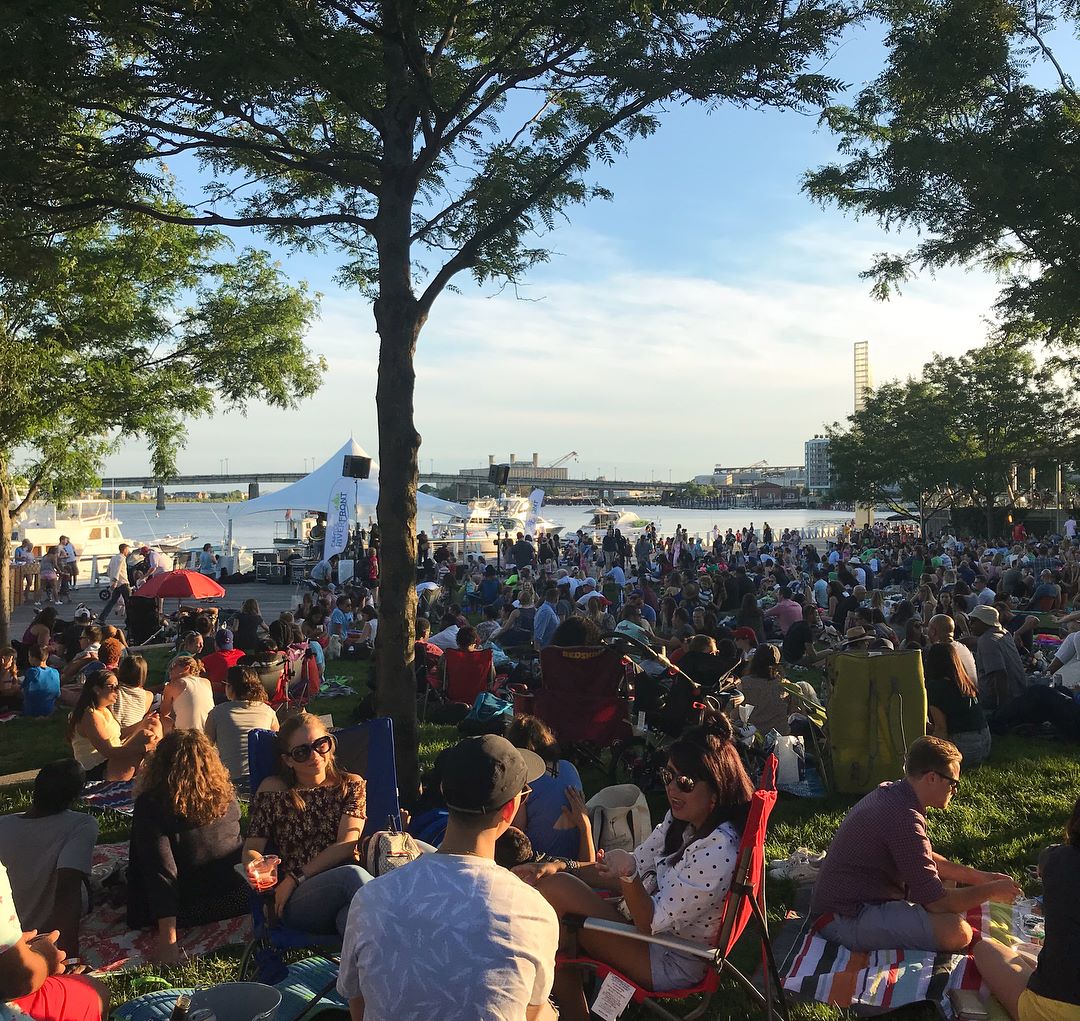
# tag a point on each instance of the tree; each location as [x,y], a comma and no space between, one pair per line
[895,451]
[125,327]
[420,140]
[956,433]
[957,141]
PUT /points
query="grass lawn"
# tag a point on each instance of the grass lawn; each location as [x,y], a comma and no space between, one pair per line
[1005,813]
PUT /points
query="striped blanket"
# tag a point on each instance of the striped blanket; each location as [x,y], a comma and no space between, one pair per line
[107,944]
[111,796]
[829,973]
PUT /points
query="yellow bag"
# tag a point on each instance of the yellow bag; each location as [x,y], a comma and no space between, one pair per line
[877,708]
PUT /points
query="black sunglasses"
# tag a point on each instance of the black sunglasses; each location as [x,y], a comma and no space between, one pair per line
[685,784]
[322,745]
[954,784]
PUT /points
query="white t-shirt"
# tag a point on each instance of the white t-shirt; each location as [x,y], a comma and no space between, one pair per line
[10,934]
[688,895]
[448,936]
[1070,528]
[1067,650]
[192,706]
[34,849]
[445,639]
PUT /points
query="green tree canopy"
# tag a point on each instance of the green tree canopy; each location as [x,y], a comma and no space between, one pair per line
[124,327]
[419,140]
[955,434]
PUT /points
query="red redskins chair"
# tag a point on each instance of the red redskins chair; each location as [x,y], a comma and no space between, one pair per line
[745,900]
[584,695]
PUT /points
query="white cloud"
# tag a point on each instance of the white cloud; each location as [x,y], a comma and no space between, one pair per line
[638,371]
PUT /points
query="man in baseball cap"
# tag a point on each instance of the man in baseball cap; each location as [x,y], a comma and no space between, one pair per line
[452,935]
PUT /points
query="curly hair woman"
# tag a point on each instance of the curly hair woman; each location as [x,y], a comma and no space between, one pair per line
[673,884]
[313,813]
[185,842]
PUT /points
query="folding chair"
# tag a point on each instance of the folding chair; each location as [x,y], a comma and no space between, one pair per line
[745,900]
[367,749]
[468,674]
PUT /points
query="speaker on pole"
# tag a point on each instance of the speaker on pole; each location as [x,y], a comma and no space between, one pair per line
[498,474]
[356,467]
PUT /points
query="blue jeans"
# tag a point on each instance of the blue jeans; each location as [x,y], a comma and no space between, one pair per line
[321,904]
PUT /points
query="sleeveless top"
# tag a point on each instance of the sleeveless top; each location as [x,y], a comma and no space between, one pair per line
[193,704]
[82,748]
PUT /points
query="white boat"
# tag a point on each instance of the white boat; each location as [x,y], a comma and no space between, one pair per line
[602,517]
[487,518]
[90,525]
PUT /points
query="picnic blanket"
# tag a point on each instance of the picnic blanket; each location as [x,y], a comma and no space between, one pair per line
[107,944]
[110,795]
[829,973]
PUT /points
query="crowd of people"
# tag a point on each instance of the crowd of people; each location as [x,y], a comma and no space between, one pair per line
[510,857]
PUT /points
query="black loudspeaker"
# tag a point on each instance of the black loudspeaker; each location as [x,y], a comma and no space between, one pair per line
[356,467]
[498,474]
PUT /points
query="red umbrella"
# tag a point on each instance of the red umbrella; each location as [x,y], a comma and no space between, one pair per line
[180,585]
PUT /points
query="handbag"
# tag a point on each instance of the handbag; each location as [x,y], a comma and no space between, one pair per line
[389,849]
[620,817]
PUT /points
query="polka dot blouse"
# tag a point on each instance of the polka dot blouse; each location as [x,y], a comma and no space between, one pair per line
[688,897]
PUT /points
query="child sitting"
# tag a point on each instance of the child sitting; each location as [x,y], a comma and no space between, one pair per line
[40,684]
[514,848]
[10,689]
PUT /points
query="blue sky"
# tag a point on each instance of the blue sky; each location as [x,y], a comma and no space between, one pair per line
[705,315]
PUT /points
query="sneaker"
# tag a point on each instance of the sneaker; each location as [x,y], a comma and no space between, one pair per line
[37,605]
[796,872]
[802,863]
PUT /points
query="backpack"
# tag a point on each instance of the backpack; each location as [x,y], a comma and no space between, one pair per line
[620,817]
[389,849]
[489,715]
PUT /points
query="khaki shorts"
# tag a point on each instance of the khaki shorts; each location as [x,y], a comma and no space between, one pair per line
[1033,1007]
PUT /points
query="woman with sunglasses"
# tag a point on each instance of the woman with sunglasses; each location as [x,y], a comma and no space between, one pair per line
[673,884]
[104,749]
[312,813]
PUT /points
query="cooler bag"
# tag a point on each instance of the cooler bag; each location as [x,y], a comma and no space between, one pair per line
[877,708]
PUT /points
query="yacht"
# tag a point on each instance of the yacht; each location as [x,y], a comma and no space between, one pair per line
[602,517]
[478,531]
[90,525]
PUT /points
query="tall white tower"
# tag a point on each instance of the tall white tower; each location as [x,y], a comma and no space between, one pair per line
[864,514]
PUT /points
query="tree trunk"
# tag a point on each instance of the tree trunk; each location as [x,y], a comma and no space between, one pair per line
[5,565]
[398,319]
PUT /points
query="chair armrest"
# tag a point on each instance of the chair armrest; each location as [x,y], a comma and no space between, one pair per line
[684,946]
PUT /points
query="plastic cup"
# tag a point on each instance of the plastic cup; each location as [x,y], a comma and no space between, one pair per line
[262,874]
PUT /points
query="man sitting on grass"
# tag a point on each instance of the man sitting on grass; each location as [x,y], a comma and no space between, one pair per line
[882,885]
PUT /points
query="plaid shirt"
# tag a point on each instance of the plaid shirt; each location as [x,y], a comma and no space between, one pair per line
[880,853]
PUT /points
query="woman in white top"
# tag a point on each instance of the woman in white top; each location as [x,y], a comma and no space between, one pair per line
[104,749]
[133,701]
[229,724]
[673,884]
[188,696]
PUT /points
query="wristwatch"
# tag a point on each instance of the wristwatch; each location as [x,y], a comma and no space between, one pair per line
[298,877]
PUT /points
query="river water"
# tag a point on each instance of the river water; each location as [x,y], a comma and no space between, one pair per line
[208,522]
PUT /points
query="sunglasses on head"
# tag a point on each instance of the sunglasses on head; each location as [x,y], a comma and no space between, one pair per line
[302,752]
[685,784]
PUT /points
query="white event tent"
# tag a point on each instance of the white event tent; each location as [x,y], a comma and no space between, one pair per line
[312,492]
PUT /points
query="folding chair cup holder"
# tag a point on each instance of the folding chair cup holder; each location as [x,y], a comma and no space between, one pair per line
[744,901]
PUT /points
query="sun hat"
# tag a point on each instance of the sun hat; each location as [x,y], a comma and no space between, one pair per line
[481,774]
[986,615]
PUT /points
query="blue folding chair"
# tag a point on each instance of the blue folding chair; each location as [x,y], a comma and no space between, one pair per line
[366,749]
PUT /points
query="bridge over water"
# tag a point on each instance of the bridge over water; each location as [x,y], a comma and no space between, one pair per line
[600,489]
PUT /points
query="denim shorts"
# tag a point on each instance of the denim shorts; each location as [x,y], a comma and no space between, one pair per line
[672,970]
[897,924]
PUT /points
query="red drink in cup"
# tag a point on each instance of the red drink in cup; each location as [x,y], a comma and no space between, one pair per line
[262,874]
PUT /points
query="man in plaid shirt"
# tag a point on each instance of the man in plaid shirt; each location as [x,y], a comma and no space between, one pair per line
[882,886]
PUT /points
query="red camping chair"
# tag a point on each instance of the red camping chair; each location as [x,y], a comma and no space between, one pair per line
[468,674]
[585,695]
[745,899]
